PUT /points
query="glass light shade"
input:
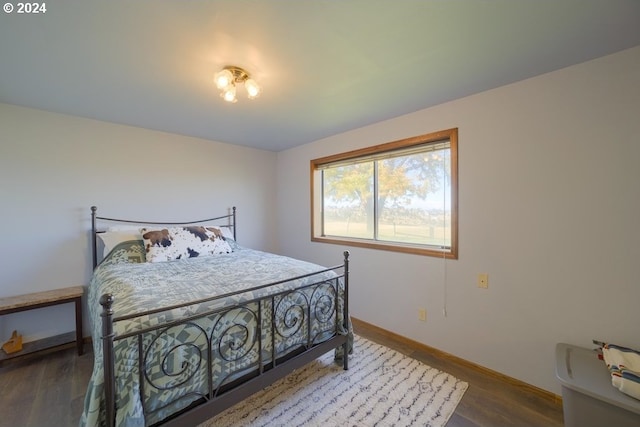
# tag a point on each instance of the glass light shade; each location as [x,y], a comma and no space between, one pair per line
[229,94]
[223,79]
[253,90]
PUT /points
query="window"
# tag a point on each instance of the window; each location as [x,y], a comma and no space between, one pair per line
[399,196]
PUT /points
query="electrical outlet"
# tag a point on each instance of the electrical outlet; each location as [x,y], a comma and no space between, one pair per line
[422,314]
[483,280]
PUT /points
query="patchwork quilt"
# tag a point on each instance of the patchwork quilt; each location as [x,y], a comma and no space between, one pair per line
[162,370]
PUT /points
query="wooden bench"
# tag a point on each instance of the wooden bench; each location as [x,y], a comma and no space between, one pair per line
[46,299]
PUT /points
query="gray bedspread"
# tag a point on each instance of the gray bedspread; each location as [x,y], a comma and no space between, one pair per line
[176,359]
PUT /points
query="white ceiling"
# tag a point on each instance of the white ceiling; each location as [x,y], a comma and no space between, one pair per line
[325,66]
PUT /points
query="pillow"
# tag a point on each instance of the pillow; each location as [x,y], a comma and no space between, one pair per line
[226,231]
[167,244]
[110,239]
[131,251]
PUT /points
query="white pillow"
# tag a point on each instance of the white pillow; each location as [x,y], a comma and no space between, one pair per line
[110,239]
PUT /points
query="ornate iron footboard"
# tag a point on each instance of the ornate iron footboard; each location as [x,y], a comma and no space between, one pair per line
[253,342]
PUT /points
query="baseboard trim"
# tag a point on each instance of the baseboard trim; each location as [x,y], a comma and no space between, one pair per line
[529,388]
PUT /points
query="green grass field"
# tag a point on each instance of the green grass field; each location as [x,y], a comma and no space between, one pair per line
[415,234]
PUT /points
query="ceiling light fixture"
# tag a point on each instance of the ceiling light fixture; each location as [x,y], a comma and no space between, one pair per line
[227,78]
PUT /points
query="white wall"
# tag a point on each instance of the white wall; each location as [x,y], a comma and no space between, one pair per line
[549,198]
[53,168]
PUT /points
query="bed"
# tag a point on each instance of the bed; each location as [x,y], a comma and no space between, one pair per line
[186,322]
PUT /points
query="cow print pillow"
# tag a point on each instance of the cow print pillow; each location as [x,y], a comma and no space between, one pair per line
[167,244]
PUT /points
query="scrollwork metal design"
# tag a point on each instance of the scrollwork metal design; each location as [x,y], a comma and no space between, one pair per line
[175,356]
[323,301]
[235,333]
[290,313]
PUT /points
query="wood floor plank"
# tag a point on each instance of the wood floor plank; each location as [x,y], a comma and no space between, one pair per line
[51,407]
[22,381]
[458,420]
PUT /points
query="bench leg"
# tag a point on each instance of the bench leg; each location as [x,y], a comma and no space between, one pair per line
[79,338]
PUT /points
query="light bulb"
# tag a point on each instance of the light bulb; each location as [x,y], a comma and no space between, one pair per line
[229,94]
[223,79]
[253,90]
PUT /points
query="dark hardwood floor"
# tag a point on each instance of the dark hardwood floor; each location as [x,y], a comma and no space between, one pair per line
[44,390]
[48,390]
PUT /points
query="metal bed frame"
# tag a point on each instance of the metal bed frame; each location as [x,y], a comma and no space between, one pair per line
[235,342]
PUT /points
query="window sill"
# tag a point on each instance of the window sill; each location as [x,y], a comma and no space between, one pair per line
[388,246]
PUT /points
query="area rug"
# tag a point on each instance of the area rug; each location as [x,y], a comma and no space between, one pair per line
[381,388]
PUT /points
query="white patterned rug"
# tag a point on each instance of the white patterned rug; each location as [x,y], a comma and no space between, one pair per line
[381,388]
